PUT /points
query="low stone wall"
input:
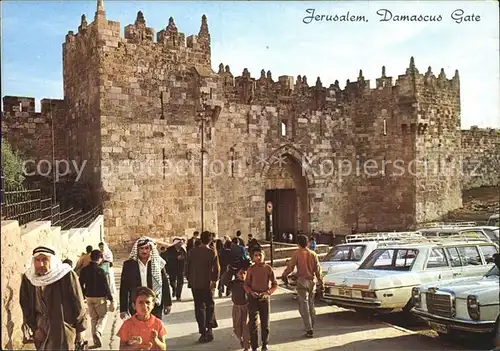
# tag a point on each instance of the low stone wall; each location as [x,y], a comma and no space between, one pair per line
[17,245]
[480,157]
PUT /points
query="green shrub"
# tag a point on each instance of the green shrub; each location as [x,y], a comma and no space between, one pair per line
[12,166]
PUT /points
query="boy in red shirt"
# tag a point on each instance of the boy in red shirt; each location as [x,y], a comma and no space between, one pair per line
[143,331]
[260,283]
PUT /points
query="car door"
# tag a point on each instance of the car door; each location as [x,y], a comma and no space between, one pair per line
[454,260]
[437,267]
[472,264]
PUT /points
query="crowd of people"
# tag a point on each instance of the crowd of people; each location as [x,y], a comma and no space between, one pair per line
[57,300]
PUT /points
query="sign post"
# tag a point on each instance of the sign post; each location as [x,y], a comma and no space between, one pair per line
[269,209]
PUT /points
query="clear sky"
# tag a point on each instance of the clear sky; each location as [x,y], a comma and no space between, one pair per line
[273,36]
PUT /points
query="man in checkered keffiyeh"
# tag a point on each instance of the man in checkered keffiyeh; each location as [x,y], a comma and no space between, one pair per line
[146,264]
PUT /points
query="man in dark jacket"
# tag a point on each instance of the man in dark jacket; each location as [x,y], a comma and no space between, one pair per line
[240,239]
[95,288]
[144,267]
[202,270]
[176,260]
[191,241]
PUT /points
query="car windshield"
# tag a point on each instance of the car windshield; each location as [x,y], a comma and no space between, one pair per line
[345,253]
[493,271]
[390,259]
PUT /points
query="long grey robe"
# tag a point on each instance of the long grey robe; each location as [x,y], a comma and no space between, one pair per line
[59,315]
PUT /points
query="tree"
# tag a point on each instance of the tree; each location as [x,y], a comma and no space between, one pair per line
[12,166]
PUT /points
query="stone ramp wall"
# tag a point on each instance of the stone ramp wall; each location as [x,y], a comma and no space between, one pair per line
[17,244]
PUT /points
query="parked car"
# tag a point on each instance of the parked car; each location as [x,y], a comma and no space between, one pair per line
[470,305]
[494,220]
[446,231]
[385,279]
[492,231]
[349,256]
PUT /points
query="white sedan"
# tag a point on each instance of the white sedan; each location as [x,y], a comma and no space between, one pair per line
[385,280]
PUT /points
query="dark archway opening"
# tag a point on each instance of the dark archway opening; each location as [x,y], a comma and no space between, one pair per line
[287,188]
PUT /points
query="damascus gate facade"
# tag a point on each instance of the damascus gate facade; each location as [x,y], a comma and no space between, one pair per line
[136,108]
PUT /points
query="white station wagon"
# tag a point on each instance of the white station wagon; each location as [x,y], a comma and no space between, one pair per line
[470,305]
[385,279]
[349,256]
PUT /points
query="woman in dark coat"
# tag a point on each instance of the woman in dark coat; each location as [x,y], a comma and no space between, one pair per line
[224,260]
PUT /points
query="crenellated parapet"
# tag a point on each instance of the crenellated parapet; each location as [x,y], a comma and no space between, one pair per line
[105,34]
[484,131]
[170,37]
[16,105]
[19,107]
[35,135]
[246,89]
[83,39]
[138,31]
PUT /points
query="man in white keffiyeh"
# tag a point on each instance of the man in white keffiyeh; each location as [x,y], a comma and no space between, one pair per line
[144,267]
[107,265]
[52,302]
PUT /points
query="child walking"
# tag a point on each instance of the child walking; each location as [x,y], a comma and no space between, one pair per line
[240,307]
[143,331]
[259,275]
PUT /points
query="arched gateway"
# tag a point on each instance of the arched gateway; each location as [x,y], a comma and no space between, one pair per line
[287,181]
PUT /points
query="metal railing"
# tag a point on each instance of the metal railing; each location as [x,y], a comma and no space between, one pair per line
[389,236]
[447,225]
[23,205]
[455,238]
[27,205]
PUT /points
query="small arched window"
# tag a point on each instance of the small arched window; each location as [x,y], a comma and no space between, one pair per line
[283,127]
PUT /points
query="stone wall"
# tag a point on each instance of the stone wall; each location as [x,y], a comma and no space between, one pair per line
[28,132]
[151,184]
[480,157]
[81,59]
[438,145]
[21,241]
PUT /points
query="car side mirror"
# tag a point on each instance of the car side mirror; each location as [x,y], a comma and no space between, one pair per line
[490,260]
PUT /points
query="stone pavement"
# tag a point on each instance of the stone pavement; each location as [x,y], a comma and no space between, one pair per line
[336,328]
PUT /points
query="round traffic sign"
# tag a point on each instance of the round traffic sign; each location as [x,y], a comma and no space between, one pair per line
[269,207]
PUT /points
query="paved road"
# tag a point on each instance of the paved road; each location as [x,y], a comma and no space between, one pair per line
[336,329]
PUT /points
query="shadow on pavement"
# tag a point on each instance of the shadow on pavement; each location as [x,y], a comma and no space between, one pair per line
[224,306]
[405,342]
[282,331]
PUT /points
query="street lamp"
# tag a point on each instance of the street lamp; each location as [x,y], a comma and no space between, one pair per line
[204,114]
[202,117]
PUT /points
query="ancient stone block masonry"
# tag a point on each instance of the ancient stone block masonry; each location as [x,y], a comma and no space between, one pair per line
[358,158]
[481,157]
[33,134]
